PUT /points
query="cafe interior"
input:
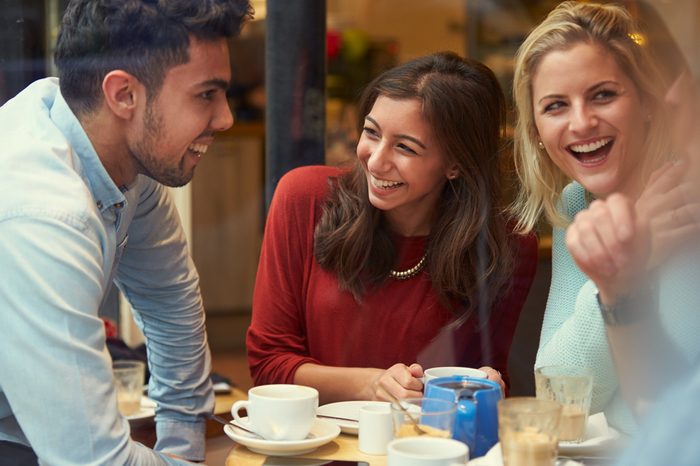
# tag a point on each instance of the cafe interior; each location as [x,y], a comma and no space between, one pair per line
[322,53]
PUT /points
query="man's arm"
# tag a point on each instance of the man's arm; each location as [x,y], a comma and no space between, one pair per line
[158,277]
[55,371]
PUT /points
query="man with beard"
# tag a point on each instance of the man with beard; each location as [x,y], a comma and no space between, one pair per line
[85,163]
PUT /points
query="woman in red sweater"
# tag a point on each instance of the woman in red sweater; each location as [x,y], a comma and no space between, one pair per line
[403,261]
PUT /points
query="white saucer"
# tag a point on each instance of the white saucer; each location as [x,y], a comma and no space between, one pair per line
[146,411]
[348,410]
[321,433]
[494,457]
[598,437]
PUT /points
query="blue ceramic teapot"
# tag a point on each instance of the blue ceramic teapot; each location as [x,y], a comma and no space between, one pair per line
[476,421]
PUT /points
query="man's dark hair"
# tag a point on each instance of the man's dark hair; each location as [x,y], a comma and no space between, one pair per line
[142,37]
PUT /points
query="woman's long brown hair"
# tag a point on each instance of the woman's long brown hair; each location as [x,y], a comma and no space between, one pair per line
[469,251]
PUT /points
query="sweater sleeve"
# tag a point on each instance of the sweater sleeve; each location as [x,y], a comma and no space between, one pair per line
[277,339]
[573,332]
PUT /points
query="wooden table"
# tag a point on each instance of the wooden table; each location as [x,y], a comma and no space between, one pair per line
[343,447]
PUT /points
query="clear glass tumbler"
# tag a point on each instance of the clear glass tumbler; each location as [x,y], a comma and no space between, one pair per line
[528,429]
[129,377]
[415,417]
[572,387]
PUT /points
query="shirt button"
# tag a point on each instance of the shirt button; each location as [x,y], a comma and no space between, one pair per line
[119,205]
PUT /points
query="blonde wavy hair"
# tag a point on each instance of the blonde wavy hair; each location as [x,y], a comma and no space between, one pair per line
[572,23]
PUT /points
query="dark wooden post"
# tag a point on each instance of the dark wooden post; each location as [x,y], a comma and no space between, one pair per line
[295,82]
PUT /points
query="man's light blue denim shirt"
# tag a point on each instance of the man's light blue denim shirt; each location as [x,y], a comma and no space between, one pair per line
[66,233]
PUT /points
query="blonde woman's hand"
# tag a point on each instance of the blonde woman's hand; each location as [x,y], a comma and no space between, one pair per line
[399,381]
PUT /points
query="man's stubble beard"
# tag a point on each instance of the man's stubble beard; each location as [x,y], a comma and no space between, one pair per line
[152,166]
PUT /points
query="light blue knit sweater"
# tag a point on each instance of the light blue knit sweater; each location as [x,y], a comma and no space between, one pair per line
[573,332]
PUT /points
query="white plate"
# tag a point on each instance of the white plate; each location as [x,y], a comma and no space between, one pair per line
[147,410]
[321,433]
[495,458]
[599,436]
[347,410]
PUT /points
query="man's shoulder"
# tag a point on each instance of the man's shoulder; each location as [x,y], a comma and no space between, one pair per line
[43,179]
[27,109]
[40,171]
[28,133]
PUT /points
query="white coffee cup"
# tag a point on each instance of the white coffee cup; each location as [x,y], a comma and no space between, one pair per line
[278,412]
[376,428]
[448,371]
[427,451]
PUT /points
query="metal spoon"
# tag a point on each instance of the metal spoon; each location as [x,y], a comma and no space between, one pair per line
[416,426]
[223,421]
[337,418]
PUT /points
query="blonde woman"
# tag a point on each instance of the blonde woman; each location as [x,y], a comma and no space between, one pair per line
[591,122]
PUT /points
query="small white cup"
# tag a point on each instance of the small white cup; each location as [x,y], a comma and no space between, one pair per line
[376,429]
[427,451]
[279,412]
[447,371]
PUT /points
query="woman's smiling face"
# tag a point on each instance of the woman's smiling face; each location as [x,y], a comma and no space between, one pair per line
[405,166]
[590,118]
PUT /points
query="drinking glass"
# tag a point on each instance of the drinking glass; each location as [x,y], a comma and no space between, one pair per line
[572,387]
[129,377]
[528,429]
[430,417]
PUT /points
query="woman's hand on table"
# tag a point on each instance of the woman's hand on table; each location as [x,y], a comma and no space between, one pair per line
[399,381]
[494,375]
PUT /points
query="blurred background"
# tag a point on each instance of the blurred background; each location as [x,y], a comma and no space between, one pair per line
[298,69]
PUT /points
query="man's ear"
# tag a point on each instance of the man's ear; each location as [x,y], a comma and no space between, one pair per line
[121,93]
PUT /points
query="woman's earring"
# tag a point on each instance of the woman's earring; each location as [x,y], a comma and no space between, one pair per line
[450,180]
[540,144]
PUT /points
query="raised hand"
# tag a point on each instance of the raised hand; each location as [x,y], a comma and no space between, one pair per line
[610,243]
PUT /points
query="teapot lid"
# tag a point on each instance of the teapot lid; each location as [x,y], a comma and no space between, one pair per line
[465,387]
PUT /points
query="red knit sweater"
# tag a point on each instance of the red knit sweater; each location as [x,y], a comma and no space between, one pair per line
[300,315]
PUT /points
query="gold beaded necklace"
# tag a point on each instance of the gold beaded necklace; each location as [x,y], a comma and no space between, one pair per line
[408,273]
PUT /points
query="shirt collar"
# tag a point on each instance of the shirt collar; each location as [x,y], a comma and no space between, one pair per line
[106,193]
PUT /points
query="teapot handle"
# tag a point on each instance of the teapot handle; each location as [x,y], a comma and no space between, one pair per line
[466,422]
